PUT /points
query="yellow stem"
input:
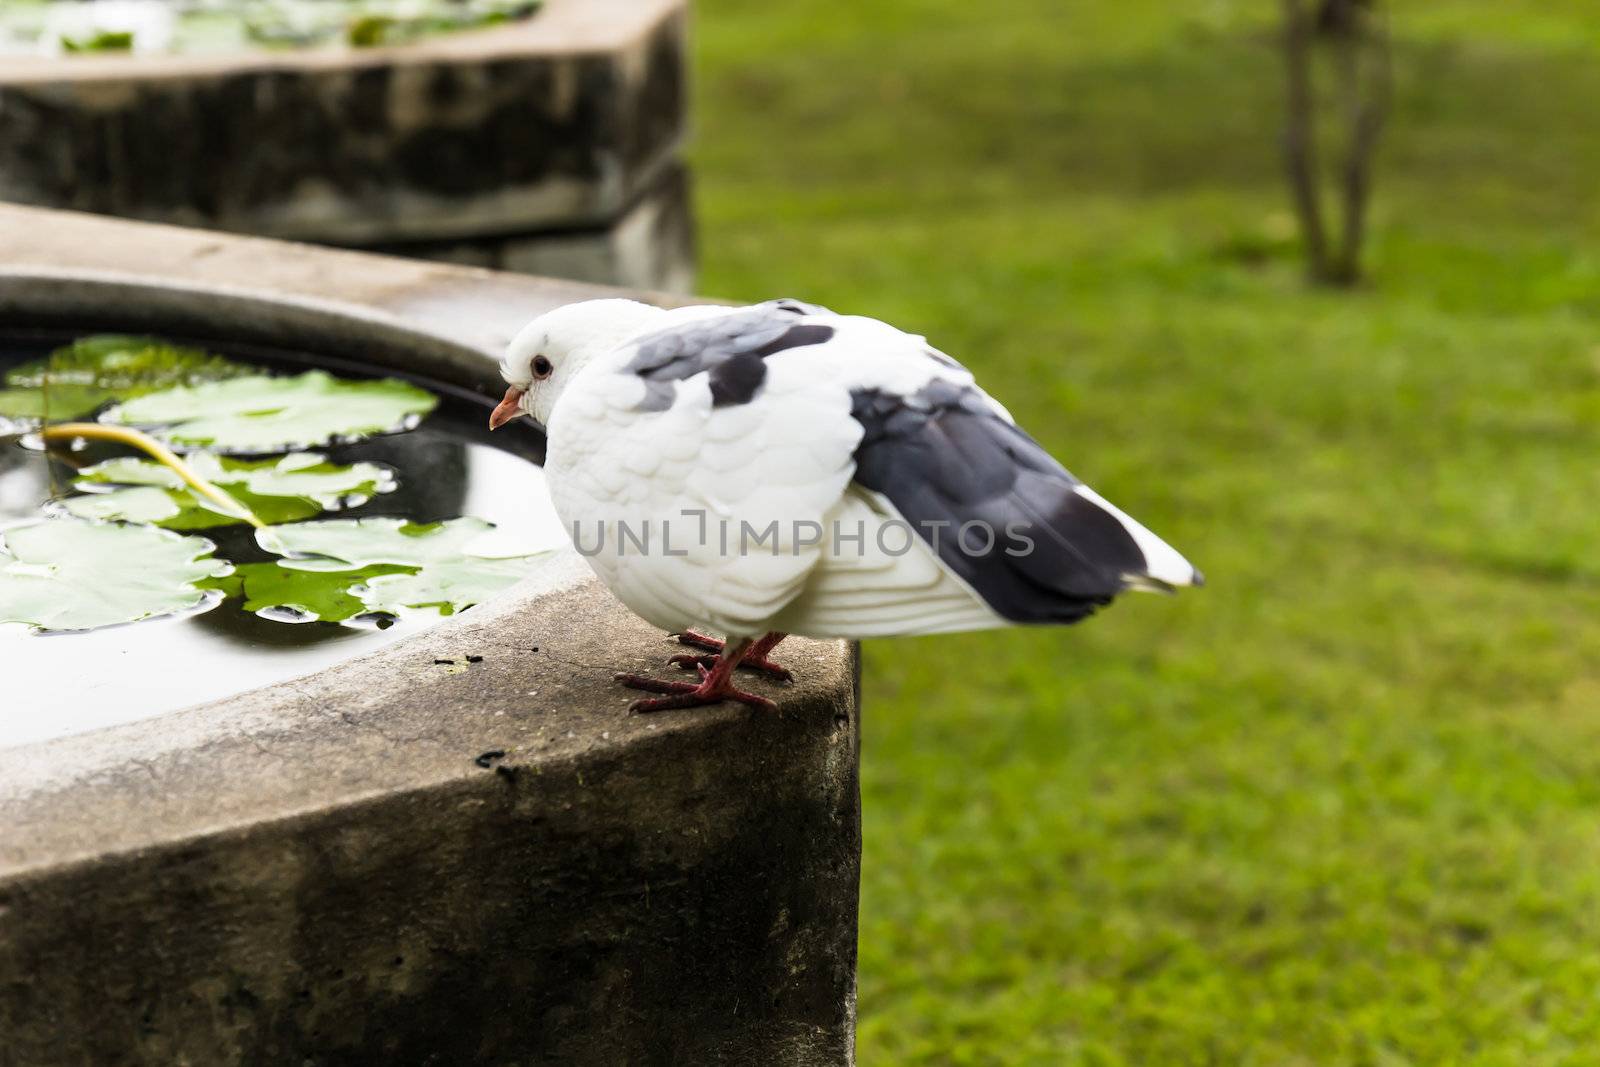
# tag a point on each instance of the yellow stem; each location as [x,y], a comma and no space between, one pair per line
[161,454]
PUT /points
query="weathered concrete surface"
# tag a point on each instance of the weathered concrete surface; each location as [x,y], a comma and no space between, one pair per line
[652,246]
[421,856]
[329,875]
[446,321]
[564,119]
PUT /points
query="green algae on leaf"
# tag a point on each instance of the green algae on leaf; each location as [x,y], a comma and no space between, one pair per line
[68,574]
[298,486]
[344,568]
[259,414]
[74,380]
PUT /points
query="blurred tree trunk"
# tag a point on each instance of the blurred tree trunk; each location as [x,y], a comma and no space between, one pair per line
[1353,35]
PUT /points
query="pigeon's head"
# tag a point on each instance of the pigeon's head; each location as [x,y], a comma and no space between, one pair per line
[547,354]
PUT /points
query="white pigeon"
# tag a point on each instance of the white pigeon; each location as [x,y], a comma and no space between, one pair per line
[780,469]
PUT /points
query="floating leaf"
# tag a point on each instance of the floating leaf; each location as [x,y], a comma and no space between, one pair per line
[125,364]
[302,474]
[140,504]
[261,414]
[447,586]
[181,509]
[343,544]
[28,407]
[309,595]
[297,486]
[76,379]
[338,569]
[67,574]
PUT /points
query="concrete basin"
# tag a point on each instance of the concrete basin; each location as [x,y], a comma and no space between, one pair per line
[397,860]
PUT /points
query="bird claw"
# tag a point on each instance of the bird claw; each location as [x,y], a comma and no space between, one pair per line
[653,685]
[705,662]
[699,640]
[771,670]
[686,694]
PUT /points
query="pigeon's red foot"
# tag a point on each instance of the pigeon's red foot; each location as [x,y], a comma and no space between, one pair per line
[772,670]
[687,694]
[716,686]
[756,659]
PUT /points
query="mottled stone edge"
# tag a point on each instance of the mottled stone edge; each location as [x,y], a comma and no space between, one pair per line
[651,244]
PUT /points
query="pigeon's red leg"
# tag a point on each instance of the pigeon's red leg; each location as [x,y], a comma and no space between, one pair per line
[716,685]
[759,658]
[695,639]
[754,660]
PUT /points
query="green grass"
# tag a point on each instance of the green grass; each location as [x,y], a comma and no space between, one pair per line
[1343,805]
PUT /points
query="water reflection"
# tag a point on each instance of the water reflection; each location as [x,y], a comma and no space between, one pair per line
[64,684]
[23,483]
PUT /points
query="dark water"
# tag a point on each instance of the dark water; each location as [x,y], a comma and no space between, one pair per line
[68,683]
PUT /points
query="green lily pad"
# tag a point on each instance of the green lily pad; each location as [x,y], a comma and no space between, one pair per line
[342,544]
[143,503]
[307,596]
[447,586]
[338,569]
[125,364]
[259,414]
[67,574]
[27,407]
[76,379]
[298,486]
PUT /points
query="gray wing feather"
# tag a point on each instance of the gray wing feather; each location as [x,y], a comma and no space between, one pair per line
[730,349]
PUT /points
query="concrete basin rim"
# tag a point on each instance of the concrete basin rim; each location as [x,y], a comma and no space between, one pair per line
[44,293]
[56,294]
[463,782]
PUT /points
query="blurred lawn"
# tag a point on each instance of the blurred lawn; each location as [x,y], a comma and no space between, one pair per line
[1342,806]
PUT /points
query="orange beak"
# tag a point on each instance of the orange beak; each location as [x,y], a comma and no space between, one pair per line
[507,409]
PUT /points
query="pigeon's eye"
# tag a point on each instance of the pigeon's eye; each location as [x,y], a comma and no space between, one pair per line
[542,368]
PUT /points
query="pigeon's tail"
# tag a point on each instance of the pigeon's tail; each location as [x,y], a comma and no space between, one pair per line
[1164,570]
[946,458]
